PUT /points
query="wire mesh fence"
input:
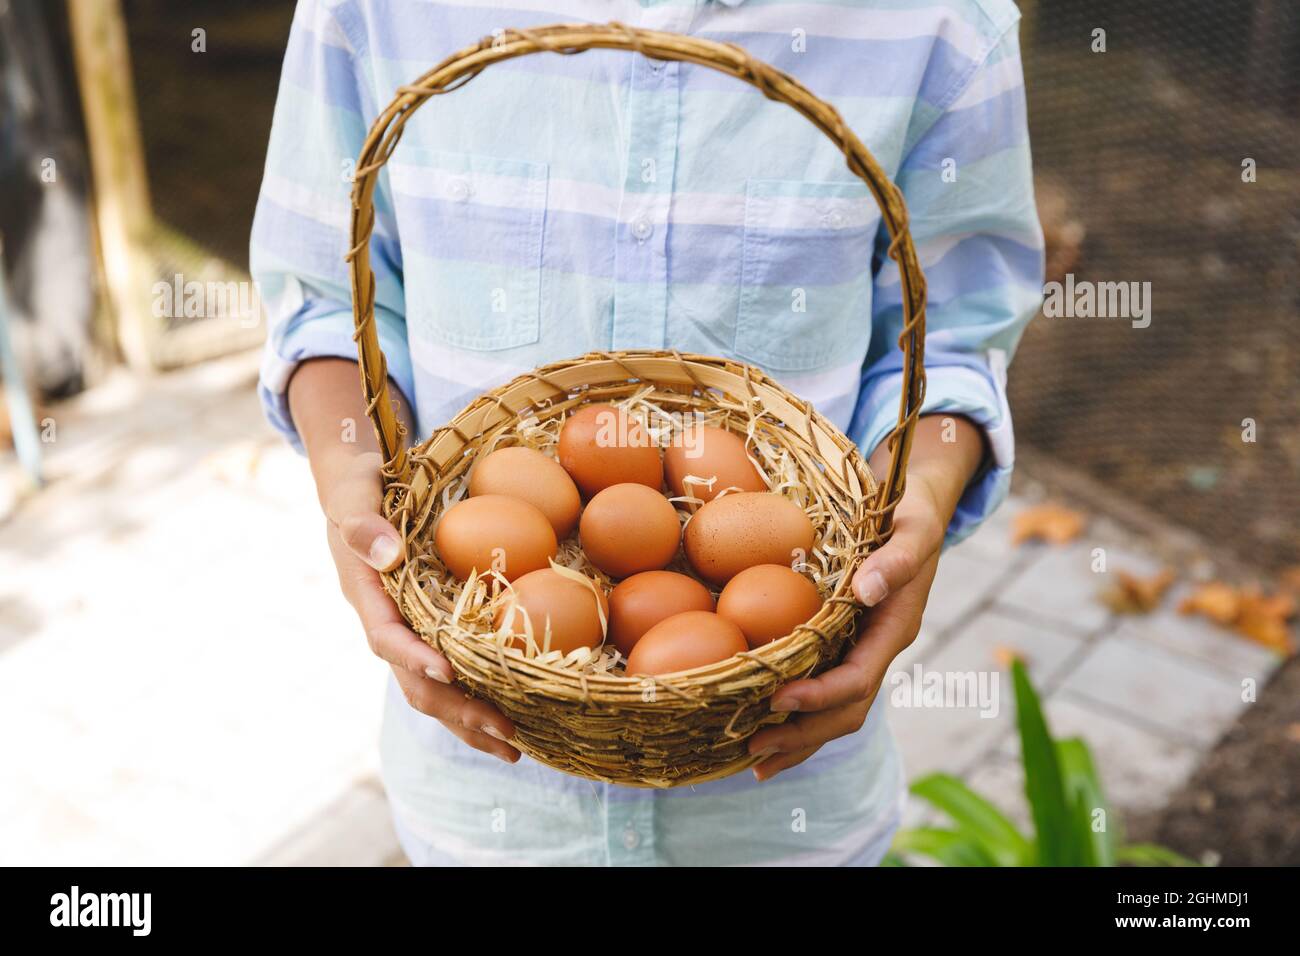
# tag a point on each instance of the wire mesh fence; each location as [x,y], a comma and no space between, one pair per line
[1173,157]
[205,114]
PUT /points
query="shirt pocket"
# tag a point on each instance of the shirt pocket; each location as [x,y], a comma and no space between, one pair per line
[805,281]
[471,232]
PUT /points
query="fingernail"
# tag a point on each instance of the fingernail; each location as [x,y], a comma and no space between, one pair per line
[785,705]
[384,550]
[437,674]
[766,752]
[493,732]
[873,590]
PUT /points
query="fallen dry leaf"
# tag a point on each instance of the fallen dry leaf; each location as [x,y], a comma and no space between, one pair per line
[1131,594]
[1281,606]
[1268,631]
[1006,656]
[1248,611]
[1047,522]
[1217,601]
[1263,619]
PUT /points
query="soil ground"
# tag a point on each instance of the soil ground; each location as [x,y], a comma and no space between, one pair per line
[1239,808]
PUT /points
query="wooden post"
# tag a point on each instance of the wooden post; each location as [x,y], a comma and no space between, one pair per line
[120,186]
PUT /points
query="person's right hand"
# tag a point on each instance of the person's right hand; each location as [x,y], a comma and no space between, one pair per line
[363,544]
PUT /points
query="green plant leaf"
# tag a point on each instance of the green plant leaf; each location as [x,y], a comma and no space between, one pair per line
[1083,792]
[945,846]
[1057,838]
[1148,854]
[976,819]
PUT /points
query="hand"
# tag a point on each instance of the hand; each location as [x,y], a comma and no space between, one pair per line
[894,582]
[363,544]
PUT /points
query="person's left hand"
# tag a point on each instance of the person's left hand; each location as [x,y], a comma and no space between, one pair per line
[894,583]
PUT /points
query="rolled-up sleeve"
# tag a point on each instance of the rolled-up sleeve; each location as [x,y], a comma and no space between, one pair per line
[968,183]
[301,226]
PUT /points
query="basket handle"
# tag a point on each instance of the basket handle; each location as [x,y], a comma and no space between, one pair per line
[461,67]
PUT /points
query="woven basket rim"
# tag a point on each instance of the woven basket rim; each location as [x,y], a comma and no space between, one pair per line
[720,672]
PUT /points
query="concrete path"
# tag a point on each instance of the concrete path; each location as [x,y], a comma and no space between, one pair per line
[180,681]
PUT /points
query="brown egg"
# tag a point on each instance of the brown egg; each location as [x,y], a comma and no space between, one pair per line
[768,601]
[645,599]
[568,606]
[742,529]
[601,446]
[529,475]
[629,528]
[494,532]
[713,454]
[686,640]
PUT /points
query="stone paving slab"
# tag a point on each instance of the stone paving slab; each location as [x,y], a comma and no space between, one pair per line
[1140,767]
[988,639]
[965,579]
[953,739]
[992,542]
[1158,688]
[1201,639]
[1060,586]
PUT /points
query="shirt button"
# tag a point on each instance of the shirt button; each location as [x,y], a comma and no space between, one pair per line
[459,190]
[642,228]
[631,839]
[834,219]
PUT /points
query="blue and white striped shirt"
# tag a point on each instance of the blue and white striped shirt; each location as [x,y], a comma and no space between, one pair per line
[561,204]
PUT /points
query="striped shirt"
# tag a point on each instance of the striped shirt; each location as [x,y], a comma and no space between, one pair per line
[561,204]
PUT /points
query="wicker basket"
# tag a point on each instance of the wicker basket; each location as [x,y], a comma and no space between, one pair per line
[681,728]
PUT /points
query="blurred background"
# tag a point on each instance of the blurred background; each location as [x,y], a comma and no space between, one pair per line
[165,699]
